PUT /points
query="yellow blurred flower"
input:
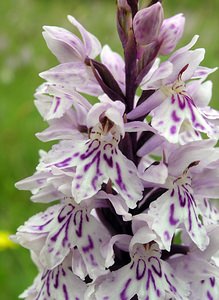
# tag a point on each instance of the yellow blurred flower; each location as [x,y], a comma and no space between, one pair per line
[5,242]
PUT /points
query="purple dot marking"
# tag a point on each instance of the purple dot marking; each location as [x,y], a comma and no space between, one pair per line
[173,129]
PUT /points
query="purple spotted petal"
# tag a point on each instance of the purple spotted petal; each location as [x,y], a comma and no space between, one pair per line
[169,116]
[53,233]
[145,276]
[73,226]
[72,74]
[175,207]
[96,164]
[59,283]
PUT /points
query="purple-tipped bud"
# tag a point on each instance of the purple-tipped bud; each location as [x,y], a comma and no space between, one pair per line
[170,33]
[124,20]
[147,23]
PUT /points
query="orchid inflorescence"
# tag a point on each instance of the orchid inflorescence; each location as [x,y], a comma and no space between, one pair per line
[132,174]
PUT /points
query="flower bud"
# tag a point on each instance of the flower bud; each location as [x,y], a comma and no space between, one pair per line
[147,23]
[124,20]
[170,33]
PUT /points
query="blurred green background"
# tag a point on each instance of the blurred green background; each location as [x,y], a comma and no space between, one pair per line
[23,54]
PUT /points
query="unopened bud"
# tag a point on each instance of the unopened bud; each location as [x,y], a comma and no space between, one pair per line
[124,20]
[170,33]
[147,23]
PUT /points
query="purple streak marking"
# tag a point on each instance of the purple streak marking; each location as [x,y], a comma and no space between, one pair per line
[191,105]
[93,262]
[95,158]
[172,100]
[58,101]
[109,160]
[150,278]
[172,220]
[209,296]
[172,288]
[212,281]
[119,179]
[79,229]
[64,288]
[172,193]
[63,163]
[90,245]
[182,200]
[156,269]
[48,284]
[56,284]
[40,227]
[181,101]
[140,270]
[89,153]
[123,292]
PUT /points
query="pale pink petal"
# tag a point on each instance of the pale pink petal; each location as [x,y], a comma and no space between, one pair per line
[201,92]
[120,240]
[143,109]
[152,144]
[119,205]
[183,156]
[191,58]
[137,126]
[205,183]
[63,44]
[72,74]
[155,81]
[91,43]
[203,72]
[185,48]
[156,174]
[65,127]
[78,265]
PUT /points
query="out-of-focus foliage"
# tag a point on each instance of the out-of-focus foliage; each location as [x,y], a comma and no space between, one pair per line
[23,54]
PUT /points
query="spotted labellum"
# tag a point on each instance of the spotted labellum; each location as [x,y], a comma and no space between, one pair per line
[134,172]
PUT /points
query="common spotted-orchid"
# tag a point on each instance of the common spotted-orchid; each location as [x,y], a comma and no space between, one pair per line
[135,172]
